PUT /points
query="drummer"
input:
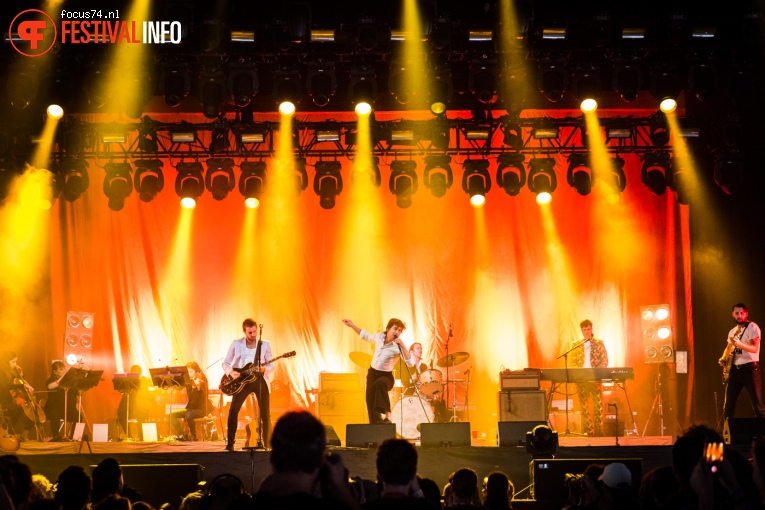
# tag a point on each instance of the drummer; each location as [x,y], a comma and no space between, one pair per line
[418,367]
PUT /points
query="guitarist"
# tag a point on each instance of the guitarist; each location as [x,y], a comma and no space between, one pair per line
[744,347]
[249,349]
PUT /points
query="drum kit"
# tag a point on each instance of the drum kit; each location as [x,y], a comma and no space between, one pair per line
[416,402]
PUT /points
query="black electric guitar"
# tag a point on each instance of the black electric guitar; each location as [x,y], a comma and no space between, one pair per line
[230,386]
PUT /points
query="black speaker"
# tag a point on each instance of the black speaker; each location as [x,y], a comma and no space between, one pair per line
[513,433]
[610,428]
[151,480]
[548,476]
[332,438]
[522,405]
[743,430]
[368,435]
[445,434]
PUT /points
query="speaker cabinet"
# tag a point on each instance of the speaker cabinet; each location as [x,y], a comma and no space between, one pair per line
[151,480]
[445,434]
[522,405]
[548,476]
[513,433]
[743,430]
[368,435]
[332,438]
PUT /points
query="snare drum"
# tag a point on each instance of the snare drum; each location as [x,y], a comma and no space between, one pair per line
[408,413]
[431,382]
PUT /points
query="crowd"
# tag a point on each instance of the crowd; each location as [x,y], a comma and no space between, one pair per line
[306,475]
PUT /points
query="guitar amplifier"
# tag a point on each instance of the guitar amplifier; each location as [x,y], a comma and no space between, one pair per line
[526,379]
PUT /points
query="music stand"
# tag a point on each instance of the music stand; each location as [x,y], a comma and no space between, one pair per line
[127,384]
[170,377]
[70,380]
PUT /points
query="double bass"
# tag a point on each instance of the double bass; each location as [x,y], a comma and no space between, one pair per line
[26,398]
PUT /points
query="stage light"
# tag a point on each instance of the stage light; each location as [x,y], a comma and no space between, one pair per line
[511,174]
[588,105]
[322,35]
[370,35]
[71,139]
[147,136]
[586,86]
[655,172]
[440,133]
[658,131]
[657,334]
[542,180]
[176,83]
[438,177]
[212,92]
[663,83]
[321,83]
[370,176]
[401,83]
[301,175]
[363,108]
[243,83]
[477,133]
[362,86]
[627,77]
[118,184]
[287,88]
[189,183]
[476,180]
[54,111]
[545,132]
[72,179]
[615,179]
[579,174]
[730,173]
[286,108]
[251,136]
[184,136]
[328,183]
[618,130]
[148,179]
[328,135]
[113,137]
[219,179]
[702,80]
[403,182]
[219,139]
[542,441]
[482,80]
[552,78]
[252,182]
[681,181]
[668,105]
[512,135]
[440,90]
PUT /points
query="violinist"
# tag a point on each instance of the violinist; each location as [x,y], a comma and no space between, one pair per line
[57,398]
[197,406]
[16,396]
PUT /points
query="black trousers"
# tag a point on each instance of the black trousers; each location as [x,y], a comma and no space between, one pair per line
[378,401]
[260,389]
[744,376]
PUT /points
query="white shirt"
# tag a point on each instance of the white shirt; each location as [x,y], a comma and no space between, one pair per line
[384,358]
[740,355]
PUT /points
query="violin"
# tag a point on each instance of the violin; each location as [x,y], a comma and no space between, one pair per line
[26,398]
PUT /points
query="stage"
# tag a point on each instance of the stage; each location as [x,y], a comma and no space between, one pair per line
[151,463]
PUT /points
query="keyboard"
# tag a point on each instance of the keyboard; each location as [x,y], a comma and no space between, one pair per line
[576,375]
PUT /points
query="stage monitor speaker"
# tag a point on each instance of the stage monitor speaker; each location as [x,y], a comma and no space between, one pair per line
[743,430]
[513,433]
[368,435]
[151,480]
[548,476]
[445,434]
[332,438]
[522,405]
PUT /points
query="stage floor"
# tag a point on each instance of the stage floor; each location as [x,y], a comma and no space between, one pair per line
[252,467]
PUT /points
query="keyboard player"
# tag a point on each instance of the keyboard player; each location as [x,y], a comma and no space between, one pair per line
[590,352]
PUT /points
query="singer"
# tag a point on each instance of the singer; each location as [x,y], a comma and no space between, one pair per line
[388,347]
[250,349]
[592,354]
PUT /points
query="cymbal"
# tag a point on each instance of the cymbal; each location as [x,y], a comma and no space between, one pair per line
[453,359]
[361,359]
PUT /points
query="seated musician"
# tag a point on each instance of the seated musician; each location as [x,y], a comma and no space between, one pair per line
[57,399]
[197,406]
[418,368]
[590,352]
[12,390]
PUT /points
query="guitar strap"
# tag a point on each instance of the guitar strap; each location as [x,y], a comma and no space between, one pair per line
[741,335]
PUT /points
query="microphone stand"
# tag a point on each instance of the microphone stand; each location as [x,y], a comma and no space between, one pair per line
[616,428]
[259,445]
[565,360]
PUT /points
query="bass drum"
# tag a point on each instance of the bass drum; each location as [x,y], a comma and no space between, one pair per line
[408,413]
